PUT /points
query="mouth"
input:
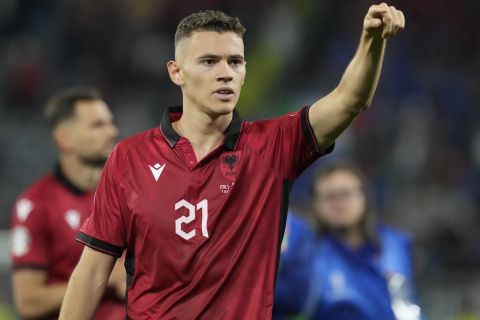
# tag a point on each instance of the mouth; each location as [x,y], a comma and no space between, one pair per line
[224,94]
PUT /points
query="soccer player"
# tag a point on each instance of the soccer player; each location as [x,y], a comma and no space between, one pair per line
[47,216]
[363,270]
[200,202]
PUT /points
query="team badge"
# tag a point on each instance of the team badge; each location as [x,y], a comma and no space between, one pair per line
[229,163]
[20,241]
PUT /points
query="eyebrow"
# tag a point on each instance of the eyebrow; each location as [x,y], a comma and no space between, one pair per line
[217,57]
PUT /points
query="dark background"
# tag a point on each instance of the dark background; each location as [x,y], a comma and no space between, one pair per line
[419,143]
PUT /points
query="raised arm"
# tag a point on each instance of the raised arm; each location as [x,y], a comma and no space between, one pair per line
[86,285]
[333,113]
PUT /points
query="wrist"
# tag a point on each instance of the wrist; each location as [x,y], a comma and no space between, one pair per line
[372,35]
[371,43]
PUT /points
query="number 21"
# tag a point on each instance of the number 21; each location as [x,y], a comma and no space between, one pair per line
[202,205]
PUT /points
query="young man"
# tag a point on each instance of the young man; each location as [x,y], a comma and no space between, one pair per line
[47,216]
[200,202]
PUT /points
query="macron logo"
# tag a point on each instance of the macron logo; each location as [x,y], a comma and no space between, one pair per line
[157,170]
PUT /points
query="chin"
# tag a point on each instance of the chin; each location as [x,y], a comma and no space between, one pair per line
[226,110]
[222,108]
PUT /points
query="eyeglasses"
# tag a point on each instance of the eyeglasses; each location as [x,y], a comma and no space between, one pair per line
[345,194]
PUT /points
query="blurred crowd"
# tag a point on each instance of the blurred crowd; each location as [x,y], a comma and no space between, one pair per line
[419,143]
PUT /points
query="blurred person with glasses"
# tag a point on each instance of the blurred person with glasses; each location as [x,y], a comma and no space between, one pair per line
[360,269]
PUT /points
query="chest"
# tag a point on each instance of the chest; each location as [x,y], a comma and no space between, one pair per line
[66,215]
[345,278]
[171,198]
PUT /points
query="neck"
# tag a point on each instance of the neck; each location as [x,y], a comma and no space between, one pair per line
[83,176]
[352,237]
[205,132]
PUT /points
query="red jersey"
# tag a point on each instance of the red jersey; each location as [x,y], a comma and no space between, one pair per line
[202,238]
[45,220]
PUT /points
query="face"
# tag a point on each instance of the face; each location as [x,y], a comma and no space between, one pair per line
[339,200]
[210,69]
[90,134]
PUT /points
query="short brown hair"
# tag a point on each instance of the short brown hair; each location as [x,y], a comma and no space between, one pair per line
[61,106]
[208,21]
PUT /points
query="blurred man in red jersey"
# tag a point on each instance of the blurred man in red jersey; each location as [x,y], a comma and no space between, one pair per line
[48,214]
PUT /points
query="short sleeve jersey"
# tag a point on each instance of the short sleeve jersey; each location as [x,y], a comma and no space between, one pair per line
[203,238]
[45,220]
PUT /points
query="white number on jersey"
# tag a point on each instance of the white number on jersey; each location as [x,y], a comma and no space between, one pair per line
[202,205]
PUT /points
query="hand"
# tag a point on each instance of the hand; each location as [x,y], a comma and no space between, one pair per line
[383,21]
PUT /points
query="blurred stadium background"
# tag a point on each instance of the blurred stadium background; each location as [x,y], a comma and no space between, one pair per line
[419,143]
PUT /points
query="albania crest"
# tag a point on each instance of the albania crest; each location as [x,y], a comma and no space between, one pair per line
[229,163]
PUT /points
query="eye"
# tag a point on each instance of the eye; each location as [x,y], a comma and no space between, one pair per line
[208,62]
[236,62]
[97,124]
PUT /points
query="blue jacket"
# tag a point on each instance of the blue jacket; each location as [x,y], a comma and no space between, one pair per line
[324,279]
[293,287]
[363,284]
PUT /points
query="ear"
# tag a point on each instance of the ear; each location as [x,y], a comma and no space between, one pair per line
[62,138]
[175,73]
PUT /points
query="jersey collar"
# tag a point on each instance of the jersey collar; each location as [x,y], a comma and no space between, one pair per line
[231,134]
[67,183]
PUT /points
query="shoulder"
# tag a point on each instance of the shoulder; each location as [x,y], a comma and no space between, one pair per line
[261,132]
[298,239]
[263,124]
[298,222]
[389,233]
[35,198]
[140,141]
[396,254]
[298,229]
[137,140]
[40,189]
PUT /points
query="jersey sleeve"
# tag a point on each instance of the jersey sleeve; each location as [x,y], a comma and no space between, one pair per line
[29,235]
[290,143]
[105,229]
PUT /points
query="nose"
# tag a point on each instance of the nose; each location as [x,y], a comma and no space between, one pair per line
[113,131]
[225,72]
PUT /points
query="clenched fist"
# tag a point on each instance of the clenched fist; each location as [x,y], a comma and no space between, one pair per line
[383,21]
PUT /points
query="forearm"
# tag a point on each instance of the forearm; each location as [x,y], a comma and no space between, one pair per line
[118,280]
[332,114]
[83,294]
[40,301]
[358,83]
[87,285]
